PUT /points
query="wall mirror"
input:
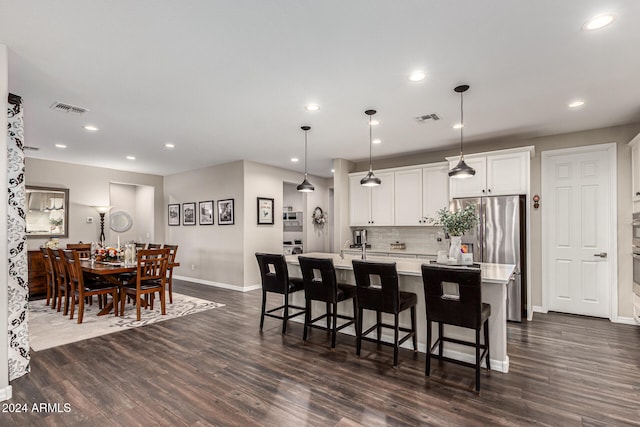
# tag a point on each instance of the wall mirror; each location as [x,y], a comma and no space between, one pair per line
[120,221]
[47,211]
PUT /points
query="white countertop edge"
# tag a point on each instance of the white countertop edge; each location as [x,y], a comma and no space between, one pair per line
[491,273]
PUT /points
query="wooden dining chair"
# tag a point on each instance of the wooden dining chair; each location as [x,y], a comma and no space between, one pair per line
[82,287]
[151,277]
[84,249]
[173,250]
[62,279]
[50,273]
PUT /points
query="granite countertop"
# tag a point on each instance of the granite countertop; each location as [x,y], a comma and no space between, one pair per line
[491,273]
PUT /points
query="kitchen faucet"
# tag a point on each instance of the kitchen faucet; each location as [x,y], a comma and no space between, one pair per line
[342,250]
[364,248]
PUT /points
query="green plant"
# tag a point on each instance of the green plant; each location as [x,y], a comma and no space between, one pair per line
[456,223]
[55,222]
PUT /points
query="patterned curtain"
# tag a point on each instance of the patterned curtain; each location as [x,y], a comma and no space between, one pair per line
[18,288]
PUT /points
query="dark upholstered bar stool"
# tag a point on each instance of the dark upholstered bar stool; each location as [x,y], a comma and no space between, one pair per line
[325,288]
[275,278]
[454,296]
[384,299]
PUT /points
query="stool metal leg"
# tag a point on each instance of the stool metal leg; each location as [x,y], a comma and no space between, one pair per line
[264,303]
[396,334]
[285,313]
[486,341]
[428,364]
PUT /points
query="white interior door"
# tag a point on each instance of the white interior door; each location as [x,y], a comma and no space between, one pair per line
[577,222]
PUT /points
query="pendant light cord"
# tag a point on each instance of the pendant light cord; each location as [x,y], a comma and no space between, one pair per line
[305,154]
[370,146]
[461,122]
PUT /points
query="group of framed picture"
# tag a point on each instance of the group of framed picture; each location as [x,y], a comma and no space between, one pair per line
[205,213]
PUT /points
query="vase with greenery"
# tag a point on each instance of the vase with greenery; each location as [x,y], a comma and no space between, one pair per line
[455,224]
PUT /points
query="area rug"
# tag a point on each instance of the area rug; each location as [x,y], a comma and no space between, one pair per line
[49,328]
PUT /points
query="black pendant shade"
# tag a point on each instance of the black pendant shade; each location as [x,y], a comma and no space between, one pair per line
[462,170]
[370,180]
[305,186]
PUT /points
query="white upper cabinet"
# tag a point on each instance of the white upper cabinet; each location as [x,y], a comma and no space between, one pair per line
[435,185]
[498,173]
[472,186]
[370,206]
[408,190]
[359,202]
[407,196]
[635,169]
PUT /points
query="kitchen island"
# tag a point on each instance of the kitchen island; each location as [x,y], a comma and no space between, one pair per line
[494,291]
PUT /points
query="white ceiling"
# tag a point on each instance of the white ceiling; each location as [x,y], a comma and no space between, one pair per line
[228,80]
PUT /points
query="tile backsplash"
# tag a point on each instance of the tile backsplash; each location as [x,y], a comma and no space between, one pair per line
[421,239]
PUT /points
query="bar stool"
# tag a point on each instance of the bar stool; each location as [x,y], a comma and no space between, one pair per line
[386,299]
[275,278]
[327,289]
[454,296]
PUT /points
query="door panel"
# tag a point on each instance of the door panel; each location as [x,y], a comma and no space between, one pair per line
[577,187]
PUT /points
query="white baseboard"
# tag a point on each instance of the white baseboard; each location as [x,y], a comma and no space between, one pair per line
[5,393]
[219,284]
[626,320]
[619,319]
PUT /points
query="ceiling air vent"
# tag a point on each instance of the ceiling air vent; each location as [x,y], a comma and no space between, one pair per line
[432,116]
[68,108]
[28,147]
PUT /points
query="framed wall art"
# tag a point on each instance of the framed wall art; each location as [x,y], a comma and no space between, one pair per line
[205,210]
[265,211]
[174,214]
[189,213]
[225,212]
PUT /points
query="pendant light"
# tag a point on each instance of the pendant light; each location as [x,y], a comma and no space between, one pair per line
[306,186]
[370,180]
[462,170]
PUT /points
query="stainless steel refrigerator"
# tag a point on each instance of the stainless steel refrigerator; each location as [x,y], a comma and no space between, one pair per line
[500,238]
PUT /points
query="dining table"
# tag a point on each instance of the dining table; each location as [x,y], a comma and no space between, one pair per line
[111,272]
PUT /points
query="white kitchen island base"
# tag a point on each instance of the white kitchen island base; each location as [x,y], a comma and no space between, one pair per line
[494,291]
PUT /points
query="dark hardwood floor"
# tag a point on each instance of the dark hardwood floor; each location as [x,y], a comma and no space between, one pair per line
[216,368]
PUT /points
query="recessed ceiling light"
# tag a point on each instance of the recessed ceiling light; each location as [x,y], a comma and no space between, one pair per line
[312,107]
[169,145]
[458,126]
[374,122]
[295,159]
[131,157]
[417,76]
[576,104]
[333,170]
[598,21]
[376,141]
[91,128]
[60,146]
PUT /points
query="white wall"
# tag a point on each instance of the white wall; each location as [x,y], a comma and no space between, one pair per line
[341,230]
[145,218]
[214,251]
[89,186]
[137,201]
[267,181]
[5,388]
